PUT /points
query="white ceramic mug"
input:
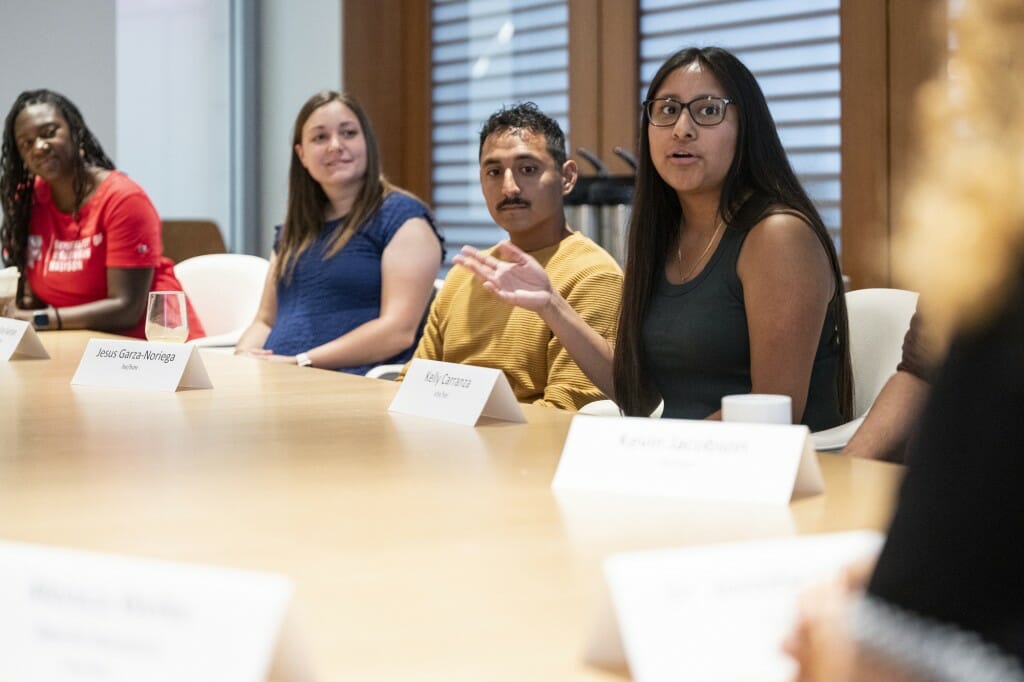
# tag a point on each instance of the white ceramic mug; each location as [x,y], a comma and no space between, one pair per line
[761,408]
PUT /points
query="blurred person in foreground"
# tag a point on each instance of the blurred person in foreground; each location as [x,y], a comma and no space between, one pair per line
[945,600]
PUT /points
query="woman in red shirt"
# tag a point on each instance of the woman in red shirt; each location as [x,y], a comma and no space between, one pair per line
[85,237]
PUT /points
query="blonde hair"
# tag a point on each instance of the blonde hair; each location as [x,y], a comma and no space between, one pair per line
[963,217]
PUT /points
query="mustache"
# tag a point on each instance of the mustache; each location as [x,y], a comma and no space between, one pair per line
[512,201]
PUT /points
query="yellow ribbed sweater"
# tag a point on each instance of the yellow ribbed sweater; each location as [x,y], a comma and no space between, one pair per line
[469,325]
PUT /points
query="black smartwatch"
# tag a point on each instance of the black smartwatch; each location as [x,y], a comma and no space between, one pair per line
[41,320]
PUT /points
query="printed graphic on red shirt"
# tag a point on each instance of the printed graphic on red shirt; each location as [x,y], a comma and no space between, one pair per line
[65,256]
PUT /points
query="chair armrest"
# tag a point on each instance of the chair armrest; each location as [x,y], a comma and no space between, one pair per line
[837,437]
[386,372]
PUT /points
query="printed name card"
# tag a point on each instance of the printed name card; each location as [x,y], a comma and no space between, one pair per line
[71,615]
[112,363]
[18,340]
[456,393]
[718,612]
[685,458]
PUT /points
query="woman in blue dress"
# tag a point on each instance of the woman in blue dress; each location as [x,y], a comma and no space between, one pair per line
[354,262]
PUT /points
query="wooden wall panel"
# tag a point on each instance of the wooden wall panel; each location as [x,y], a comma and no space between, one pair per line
[865,142]
[889,47]
[620,100]
[912,61]
[603,101]
[584,79]
[386,64]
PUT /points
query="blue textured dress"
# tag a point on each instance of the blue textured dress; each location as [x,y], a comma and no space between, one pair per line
[326,299]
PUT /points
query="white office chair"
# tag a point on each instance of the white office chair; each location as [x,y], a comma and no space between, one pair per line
[225,290]
[879,319]
[385,372]
[608,408]
[390,372]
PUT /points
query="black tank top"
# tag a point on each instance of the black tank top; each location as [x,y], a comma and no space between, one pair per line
[696,343]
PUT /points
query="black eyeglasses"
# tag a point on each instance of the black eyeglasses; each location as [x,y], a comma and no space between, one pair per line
[705,111]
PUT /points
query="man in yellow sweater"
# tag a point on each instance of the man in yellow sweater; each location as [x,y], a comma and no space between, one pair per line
[524,174]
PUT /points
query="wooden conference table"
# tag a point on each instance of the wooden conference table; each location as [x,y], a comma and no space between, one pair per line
[420,550]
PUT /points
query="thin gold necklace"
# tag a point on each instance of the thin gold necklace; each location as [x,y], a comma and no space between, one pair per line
[679,254]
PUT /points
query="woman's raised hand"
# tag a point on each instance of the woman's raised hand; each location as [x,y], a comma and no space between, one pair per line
[519,280]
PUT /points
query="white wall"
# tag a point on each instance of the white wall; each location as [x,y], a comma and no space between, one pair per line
[173,104]
[151,78]
[300,53]
[63,45]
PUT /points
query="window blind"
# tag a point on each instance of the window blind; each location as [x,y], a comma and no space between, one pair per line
[792,47]
[486,54]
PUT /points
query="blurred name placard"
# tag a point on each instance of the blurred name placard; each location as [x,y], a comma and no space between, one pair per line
[111,363]
[718,612]
[18,341]
[456,393]
[695,459]
[71,615]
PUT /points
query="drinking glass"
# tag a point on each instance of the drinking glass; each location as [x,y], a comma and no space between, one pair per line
[8,287]
[167,317]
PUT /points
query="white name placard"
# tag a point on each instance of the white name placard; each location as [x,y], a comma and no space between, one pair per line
[456,393]
[80,616]
[720,612]
[111,363]
[18,340]
[685,458]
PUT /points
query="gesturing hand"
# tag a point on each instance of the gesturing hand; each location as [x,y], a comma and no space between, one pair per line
[519,280]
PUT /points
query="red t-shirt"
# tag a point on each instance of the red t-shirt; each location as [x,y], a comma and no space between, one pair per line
[118,227]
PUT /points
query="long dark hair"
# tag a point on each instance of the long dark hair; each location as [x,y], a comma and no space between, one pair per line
[759,166]
[304,218]
[16,183]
